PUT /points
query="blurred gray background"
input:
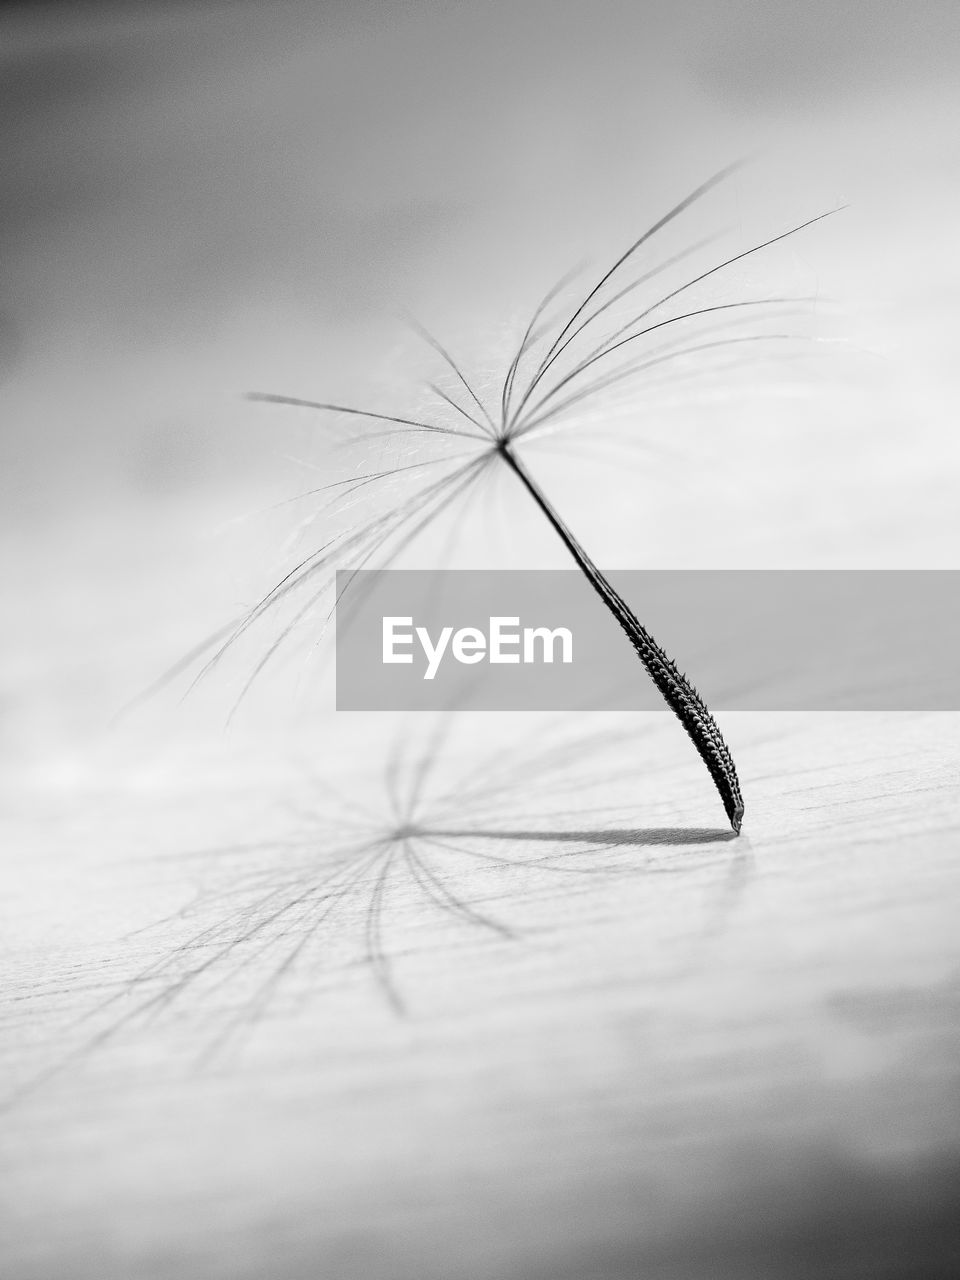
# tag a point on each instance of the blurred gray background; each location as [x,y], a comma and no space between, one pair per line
[200,200]
[198,195]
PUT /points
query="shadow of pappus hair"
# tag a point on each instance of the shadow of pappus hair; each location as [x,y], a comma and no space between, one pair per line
[419,837]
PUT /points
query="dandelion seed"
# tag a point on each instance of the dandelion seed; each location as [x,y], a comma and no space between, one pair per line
[600,345]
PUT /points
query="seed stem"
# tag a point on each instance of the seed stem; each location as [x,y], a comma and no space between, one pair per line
[676,690]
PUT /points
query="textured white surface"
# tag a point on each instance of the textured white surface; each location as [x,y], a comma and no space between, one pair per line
[719,1057]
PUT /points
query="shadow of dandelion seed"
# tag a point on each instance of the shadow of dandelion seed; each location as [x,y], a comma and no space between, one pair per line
[369,860]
